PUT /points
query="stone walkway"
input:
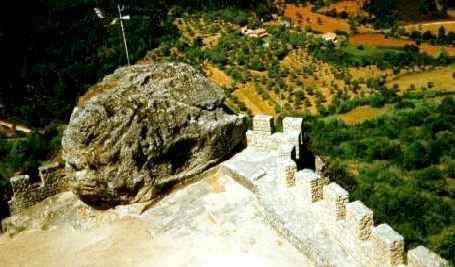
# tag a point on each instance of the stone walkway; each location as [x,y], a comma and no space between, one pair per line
[312,213]
[301,225]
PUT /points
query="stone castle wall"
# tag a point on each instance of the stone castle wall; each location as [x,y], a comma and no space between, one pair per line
[324,204]
[26,194]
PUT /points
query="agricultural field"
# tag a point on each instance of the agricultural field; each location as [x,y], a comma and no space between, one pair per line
[352,8]
[381,40]
[436,79]
[286,71]
[363,113]
[303,16]
[432,26]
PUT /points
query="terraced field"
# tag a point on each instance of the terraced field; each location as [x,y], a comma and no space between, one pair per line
[305,17]
[381,40]
[440,78]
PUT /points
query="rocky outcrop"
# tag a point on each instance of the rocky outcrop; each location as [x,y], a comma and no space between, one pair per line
[149,125]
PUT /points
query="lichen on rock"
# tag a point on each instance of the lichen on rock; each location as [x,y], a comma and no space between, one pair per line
[159,123]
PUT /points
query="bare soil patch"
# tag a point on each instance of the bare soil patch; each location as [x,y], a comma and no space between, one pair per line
[304,16]
[247,94]
[363,113]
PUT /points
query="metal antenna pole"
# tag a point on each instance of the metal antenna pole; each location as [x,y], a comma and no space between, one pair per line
[123,33]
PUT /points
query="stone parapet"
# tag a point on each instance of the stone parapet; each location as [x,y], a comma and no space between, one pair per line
[423,257]
[258,139]
[26,195]
[312,213]
[310,185]
[262,136]
[336,199]
[360,219]
[263,123]
[388,246]
[286,171]
[292,125]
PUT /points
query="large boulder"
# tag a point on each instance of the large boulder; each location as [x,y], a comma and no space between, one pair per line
[143,127]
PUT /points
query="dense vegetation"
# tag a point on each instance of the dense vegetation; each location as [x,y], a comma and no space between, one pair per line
[362,55]
[402,165]
[59,49]
[388,12]
[442,38]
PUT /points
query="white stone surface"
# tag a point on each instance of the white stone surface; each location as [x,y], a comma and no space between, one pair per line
[263,123]
[314,215]
[310,184]
[212,223]
[388,245]
[360,219]
[285,152]
[292,124]
[423,257]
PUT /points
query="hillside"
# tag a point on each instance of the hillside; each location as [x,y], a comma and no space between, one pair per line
[373,80]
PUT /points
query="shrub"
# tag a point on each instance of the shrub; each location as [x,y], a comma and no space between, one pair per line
[376,101]
[415,156]
[451,169]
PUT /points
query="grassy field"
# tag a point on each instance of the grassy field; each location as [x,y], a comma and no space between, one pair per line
[441,78]
[363,113]
[380,40]
[369,51]
[217,76]
[247,94]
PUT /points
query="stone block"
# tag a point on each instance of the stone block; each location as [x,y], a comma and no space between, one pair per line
[258,139]
[336,198]
[310,184]
[286,172]
[294,138]
[285,152]
[388,246]
[20,184]
[276,140]
[318,165]
[360,219]
[423,257]
[48,172]
[291,124]
[263,123]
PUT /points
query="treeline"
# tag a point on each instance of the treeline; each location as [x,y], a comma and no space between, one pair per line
[388,12]
[54,50]
[383,57]
[402,165]
[441,38]
[57,49]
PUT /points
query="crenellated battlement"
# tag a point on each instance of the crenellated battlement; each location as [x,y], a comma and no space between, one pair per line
[314,214]
[26,194]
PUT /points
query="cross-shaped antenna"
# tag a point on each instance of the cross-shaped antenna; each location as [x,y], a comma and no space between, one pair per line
[100,14]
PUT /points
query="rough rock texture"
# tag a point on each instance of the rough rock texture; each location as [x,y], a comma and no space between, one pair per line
[152,125]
